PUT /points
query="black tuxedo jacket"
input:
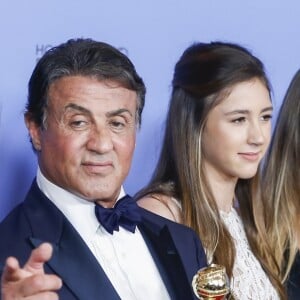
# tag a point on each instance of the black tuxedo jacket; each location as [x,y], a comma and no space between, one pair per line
[293,283]
[176,249]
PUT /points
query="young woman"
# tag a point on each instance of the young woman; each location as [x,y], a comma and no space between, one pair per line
[217,131]
[282,189]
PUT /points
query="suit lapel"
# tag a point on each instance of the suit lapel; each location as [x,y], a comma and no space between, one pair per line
[167,259]
[76,265]
[71,260]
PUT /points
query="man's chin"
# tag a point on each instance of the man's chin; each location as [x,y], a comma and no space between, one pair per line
[102,195]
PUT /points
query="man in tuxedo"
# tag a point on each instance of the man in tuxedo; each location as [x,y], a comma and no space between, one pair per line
[77,235]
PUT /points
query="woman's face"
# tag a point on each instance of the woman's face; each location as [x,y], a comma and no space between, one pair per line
[237,132]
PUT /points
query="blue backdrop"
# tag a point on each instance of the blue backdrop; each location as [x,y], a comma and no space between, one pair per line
[153,34]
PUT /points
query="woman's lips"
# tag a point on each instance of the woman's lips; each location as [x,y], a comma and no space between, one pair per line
[250,156]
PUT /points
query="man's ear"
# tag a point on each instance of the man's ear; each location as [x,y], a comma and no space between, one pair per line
[34,131]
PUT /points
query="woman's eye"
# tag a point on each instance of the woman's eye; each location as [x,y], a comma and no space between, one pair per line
[266,117]
[238,120]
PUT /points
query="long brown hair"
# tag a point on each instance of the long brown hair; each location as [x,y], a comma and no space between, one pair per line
[203,76]
[281,182]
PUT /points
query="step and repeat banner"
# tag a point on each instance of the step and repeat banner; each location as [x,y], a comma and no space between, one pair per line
[153,34]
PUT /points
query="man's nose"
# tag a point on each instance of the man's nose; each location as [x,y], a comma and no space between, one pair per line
[100,140]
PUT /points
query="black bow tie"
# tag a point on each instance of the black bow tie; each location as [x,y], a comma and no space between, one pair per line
[125,214]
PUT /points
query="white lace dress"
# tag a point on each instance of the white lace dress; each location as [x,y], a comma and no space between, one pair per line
[249,281]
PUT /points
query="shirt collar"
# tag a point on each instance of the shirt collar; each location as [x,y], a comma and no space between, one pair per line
[77,210]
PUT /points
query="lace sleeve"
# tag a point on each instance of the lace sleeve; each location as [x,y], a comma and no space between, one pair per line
[249,280]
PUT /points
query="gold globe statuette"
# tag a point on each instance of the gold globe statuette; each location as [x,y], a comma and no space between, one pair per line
[211,283]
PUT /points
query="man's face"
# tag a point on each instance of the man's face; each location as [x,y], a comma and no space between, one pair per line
[89,139]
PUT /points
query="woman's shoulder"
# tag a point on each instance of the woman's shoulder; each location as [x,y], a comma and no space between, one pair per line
[165,206]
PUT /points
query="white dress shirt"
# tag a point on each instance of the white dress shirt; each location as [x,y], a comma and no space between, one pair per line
[124,256]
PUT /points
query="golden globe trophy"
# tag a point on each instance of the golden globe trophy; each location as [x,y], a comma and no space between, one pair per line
[212,283]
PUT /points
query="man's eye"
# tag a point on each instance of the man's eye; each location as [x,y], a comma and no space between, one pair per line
[78,124]
[117,124]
